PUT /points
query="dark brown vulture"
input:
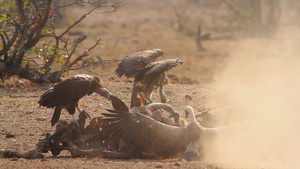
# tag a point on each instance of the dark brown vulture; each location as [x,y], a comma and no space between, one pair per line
[149,137]
[152,77]
[66,94]
[132,64]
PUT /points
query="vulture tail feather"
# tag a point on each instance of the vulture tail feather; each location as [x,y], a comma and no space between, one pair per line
[56,115]
[46,99]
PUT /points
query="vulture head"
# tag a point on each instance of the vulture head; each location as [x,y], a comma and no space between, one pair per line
[99,89]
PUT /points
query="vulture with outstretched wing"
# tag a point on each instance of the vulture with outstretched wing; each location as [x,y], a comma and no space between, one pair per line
[150,137]
[66,94]
[119,105]
[132,64]
[150,78]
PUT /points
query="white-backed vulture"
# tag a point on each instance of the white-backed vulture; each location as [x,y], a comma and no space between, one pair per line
[132,64]
[66,94]
[152,77]
[150,137]
[151,110]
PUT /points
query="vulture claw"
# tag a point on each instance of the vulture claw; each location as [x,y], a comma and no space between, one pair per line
[83,111]
[87,114]
[75,121]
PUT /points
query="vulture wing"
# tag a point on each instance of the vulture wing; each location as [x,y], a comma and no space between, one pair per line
[147,135]
[118,104]
[136,62]
[157,68]
[70,89]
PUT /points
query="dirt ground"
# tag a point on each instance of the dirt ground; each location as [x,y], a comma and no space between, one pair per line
[21,117]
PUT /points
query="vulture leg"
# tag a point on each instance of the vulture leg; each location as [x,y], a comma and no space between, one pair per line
[162,94]
[80,110]
[143,100]
[74,120]
[149,96]
[135,90]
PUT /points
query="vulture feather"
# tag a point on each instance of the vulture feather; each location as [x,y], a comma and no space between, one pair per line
[132,64]
[66,94]
[119,105]
[150,137]
[151,77]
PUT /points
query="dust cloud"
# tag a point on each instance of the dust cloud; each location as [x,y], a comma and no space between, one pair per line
[261,81]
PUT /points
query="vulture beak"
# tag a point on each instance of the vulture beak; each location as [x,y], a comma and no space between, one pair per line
[104,93]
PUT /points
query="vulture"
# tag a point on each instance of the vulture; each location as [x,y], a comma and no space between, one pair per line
[149,137]
[119,105]
[66,94]
[132,64]
[152,77]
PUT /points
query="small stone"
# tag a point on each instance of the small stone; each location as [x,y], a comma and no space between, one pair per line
[158,166]
[20,114]
[41,119]
[29,112]
[177,164]
[188,97]
[9,135]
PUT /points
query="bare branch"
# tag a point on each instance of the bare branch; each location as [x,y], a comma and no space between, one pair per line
[21,96]
[35,6]
[20,8]
[4,50]
[77,41]
[18,26]
[79,20]
[97,42]
[46,16]
[66,5]
[7,39]
[84,54]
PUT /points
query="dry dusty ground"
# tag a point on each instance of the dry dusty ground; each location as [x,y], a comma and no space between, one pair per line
[21,116]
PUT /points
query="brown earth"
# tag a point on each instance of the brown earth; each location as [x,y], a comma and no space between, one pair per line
[21,117]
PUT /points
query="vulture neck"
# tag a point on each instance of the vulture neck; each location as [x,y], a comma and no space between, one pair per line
[162,94]
[154,106]
[158,106]
[190,111]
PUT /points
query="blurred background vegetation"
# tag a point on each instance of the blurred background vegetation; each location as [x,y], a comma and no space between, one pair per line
[200,32]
